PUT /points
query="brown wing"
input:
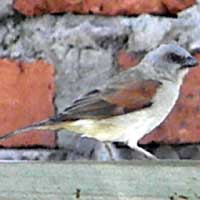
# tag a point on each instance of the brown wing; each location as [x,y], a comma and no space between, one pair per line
[111,101]
[135,95]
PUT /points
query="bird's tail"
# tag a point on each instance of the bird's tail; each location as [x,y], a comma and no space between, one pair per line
[42,125]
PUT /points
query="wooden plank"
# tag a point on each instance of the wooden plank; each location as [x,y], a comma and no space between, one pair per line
[136,180]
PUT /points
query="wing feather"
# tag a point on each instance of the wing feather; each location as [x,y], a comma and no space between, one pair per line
[112,101]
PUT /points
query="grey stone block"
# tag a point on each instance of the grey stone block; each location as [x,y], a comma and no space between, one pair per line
[196,154]
[187,151]
[32,154]
[148,32]
[81,147]
[6,8]
[166,152]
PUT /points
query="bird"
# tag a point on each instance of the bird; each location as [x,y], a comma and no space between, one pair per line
[130,104]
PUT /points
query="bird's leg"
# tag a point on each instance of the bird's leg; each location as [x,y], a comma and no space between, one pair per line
[108,146]
[141,150]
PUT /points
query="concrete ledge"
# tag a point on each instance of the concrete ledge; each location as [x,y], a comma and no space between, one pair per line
[91,180]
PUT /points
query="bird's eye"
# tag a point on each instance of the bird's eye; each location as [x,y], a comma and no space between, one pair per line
[175,58]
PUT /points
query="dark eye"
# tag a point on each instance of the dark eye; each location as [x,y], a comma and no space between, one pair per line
[175,58]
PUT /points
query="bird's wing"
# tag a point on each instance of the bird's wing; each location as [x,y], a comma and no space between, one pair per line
[111,101]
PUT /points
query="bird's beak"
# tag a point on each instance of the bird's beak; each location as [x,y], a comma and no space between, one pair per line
[190,61]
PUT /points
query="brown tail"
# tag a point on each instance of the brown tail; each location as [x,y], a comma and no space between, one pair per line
[42,125]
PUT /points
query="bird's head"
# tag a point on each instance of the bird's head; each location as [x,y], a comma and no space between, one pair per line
[170,61]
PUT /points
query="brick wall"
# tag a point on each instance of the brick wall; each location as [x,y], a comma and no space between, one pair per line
[83,51]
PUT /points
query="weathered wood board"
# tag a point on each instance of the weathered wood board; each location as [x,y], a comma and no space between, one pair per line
[135,180]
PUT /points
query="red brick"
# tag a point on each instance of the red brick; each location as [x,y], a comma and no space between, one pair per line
[111,7]
[127,7]
[175,6]
[30,8]
[26,96]
[182,125]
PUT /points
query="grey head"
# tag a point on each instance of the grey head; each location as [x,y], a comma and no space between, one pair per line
[169,61]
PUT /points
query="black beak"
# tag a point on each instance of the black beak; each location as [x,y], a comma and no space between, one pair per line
[190,61]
